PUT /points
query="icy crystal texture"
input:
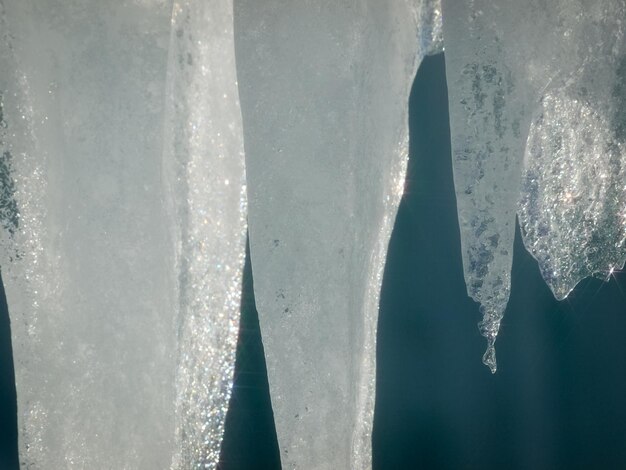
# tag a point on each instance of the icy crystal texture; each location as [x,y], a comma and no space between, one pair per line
[560,66]
[204,168]
[324,91]
[123,235]
[573,205]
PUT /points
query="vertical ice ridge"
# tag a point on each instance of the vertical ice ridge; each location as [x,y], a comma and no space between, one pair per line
[324,90]
[204,171]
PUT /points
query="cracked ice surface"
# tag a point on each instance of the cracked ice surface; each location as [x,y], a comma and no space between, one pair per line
[324,89]
[552,72]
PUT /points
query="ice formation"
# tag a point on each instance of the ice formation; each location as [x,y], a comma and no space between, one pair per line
[204,168]
[91,308]
[324,89]
[124,235]
[538,127]
[123,200]
[573,204]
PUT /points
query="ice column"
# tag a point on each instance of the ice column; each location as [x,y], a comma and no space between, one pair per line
[324,89]
[204,170]
[559,65]
[85,259]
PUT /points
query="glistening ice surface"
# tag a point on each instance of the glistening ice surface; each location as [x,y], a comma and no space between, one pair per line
[559,65]
[324,89]
[123,222]
[573,203]
[204,168]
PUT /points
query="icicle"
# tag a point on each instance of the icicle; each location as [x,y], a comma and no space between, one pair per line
[87,267]
[204,169]
[560,62]
[324,89]
[487,117]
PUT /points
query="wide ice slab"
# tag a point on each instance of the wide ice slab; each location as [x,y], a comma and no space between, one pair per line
[557,65]
[123,209]
[324,89]
[87,268]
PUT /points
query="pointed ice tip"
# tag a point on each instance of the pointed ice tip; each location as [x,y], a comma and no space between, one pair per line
[489,358]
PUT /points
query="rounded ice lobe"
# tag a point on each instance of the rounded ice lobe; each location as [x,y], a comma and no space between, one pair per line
[573,205]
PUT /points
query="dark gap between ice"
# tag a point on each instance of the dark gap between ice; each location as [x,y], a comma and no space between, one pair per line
[8,399]
[250,436]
